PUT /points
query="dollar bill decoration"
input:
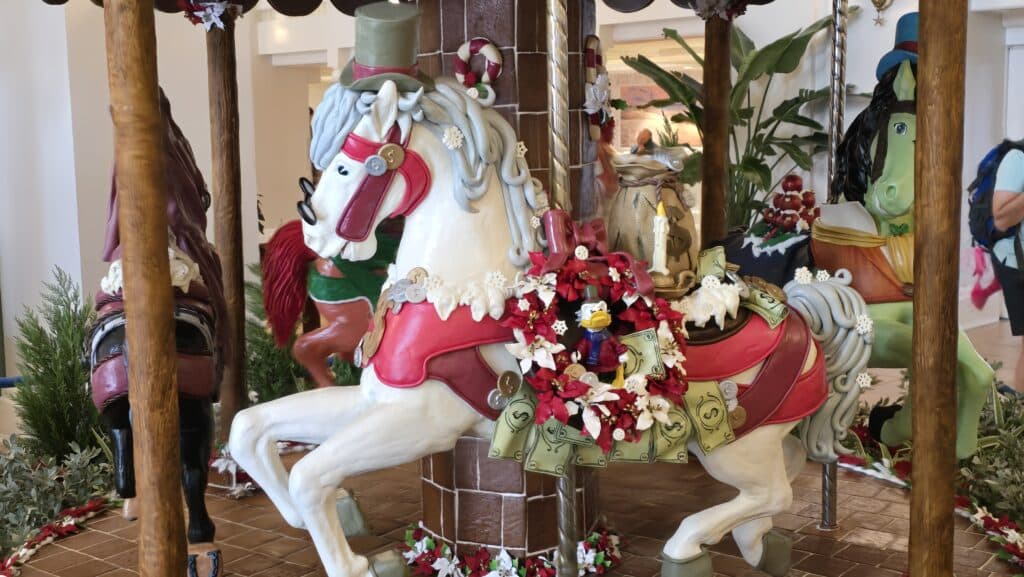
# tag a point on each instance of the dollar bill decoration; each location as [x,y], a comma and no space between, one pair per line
[710,415]
[711,262]
[766,306]
[644,354]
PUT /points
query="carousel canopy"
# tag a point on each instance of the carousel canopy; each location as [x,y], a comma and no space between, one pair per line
[286,7]
[725,8]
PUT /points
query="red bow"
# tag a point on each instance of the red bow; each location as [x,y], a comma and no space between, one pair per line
[564,236]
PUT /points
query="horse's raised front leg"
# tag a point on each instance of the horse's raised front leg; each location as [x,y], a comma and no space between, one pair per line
[756,465]
[404,426]
[307,417]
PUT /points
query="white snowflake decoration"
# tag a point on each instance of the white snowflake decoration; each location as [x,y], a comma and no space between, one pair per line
[711,282]
[496,280]
[560,327]
[473,93]
[863,381]
[864,324]
[521,149]
[803,276]
[581,252]
[613,273]
[535,222]
[453,138]
[524,305]
[822,276]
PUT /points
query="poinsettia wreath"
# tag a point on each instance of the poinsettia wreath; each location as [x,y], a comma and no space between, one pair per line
[542,316]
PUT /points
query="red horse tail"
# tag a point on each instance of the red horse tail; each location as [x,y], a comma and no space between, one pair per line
[285,266]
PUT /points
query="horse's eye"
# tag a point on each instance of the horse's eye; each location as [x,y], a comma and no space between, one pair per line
[342,170]
[901,128]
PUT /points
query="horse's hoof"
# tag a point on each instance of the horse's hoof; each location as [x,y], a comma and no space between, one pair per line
[130,509]
[879,415]
[699,566]
[777,558]
[388,563]
[353,523]
[204,560]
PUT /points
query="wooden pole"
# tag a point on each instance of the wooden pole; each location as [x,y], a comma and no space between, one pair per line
[227,202]
[939,161]
[148,296]
[715,164]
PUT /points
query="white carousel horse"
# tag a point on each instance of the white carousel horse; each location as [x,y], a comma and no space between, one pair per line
[469,203]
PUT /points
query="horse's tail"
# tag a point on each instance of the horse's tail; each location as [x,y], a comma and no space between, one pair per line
[285,266]
[838,319]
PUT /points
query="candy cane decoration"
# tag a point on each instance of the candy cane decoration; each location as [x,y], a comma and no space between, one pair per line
[492,69]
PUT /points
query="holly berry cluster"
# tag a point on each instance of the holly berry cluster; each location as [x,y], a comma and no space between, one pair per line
[792,210]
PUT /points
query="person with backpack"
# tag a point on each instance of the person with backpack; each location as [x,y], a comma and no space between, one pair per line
[1007,252]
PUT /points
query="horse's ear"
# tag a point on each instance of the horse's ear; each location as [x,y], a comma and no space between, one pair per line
[384,112]
[905,84]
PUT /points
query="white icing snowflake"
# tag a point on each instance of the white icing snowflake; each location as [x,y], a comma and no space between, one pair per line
[711,282]
[524,305]
[863,381]
[535,222]
[613,273]
[496,280]
[581,252]
[822,275]
[560,327]
[803,276]
[453,138]
[434,283]
[521,149]
[864,324]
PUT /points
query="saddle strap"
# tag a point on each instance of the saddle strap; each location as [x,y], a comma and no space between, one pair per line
[469,376]
[778,375]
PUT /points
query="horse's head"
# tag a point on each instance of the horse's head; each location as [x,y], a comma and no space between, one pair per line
[372,176]
[890,195]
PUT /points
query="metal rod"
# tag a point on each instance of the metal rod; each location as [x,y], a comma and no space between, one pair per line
[567,541]
[937,184]
[829,496]
[558,102]
[837,101]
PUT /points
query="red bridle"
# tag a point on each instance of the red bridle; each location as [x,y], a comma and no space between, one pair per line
[356,221]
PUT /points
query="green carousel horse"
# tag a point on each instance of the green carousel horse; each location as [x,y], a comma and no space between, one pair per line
[873,237]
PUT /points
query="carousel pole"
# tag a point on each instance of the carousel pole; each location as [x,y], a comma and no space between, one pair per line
[558,120]
[715,161]
[938,165]
[148,297]
[227,202]
[837,101]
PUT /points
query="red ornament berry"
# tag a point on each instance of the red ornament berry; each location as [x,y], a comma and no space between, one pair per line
[792,183]
[809,198]
[777,201]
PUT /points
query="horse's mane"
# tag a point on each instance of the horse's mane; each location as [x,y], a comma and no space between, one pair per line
[488,140]
[854,158]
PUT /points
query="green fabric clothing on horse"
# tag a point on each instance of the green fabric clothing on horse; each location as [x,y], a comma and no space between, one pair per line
[361,279]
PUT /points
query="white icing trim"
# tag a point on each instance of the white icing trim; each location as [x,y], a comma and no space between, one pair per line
[756,245]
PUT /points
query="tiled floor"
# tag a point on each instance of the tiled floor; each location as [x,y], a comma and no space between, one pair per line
[645,504]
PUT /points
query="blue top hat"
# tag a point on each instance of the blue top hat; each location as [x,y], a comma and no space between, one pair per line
[906,45]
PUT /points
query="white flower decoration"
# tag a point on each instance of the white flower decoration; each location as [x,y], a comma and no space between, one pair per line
[560,327]
[446,567]
[864,324]
[652,408]
[863,381]
[598,95]
[670,353]
[540,351]
[524,305]
[1013,537]
[581,252]
[710,281]
[114,279]
[521,149]
[543,285]
[504,566]
[535,222]
[980,515]
[593,410]
[822,276]
[211,14]
[613,273]
[585,559]
[496,280]
[636,384]
[453,138]
[803,276]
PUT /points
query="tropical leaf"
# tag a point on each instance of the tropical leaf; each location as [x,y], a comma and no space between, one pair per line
[755,171]
[674,35]
[691,172]
[799,156]
[741,46]
[677,90]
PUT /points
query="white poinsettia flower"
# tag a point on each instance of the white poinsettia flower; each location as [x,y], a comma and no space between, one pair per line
[630,297]
[540,351]
[446,567]
[496,280]
[636,384]
[211,14]
[980,515]
[613,273]
[1013,536]
[543,285]
[560,327]
[453,138]
[670,353]
[114,280]
[504,566]
[521,149]
[598,95]
[184,270]
[865,325]
[822,275]
[585,559]
[652,408]
[863,381]
[803,276]
[593,410]
[582,252]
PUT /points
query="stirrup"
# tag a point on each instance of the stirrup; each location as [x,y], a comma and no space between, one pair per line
[699,566]
[777,558]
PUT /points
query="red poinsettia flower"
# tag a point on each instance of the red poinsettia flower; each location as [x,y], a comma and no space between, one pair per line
[536,567]
[902,469]
[535,320]
[477,564]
